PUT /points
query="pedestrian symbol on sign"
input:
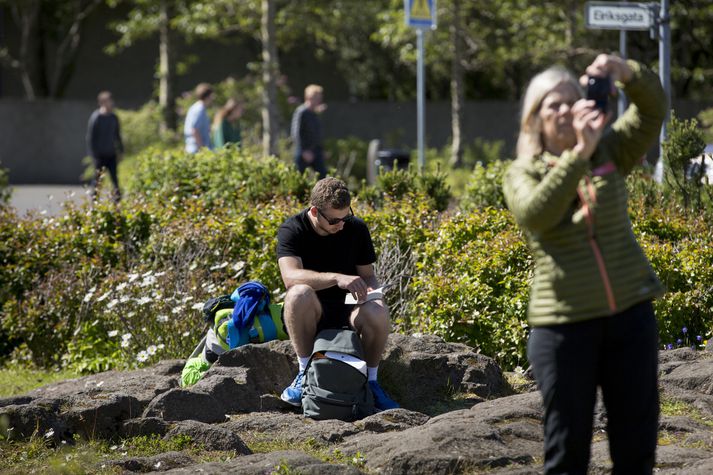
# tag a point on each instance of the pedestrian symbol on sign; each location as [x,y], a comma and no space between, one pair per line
[420,13]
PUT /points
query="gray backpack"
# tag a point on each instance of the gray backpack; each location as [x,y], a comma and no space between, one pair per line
[335,384]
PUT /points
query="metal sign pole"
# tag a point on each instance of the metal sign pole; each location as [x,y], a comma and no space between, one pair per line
[420,101]
[621,105]
[665,75]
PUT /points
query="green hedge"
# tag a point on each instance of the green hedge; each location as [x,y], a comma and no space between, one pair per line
[103,287]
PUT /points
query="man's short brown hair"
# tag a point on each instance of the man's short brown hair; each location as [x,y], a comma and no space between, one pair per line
[204,90]
[330,192]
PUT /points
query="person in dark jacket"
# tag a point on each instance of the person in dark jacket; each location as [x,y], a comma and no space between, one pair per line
[104,143]
[591,312]
[306,132]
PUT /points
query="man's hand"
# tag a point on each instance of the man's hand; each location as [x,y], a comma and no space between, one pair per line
[354,284]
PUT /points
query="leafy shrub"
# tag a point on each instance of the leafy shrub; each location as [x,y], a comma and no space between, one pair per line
[485,187]
[219,178]
[397,184]
[472,283]
[5,191]
[684,142]
[113,287]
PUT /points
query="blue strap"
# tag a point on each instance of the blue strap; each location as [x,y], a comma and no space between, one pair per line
[269,331]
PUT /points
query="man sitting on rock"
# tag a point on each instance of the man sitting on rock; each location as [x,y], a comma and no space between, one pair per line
[325,253]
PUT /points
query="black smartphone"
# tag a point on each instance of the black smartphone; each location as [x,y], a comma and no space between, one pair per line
[599,90]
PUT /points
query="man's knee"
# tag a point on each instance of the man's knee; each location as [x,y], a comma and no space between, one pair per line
[301,297]
[376,317]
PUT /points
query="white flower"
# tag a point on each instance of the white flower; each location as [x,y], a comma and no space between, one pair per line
[142,356]
[159,274]
[130,314]
[112,304]
[222,265]
[149,280]
[185,334]
[162,318]
[197,306]
[238,265]
[143,300]
[112,333]
[176,310]
[161,346]
[125,343]
[151,350]
[187,298]
[133,277]
[49,433]
[126,336]
[124,299]
[104,297]
[100,384]
[121,287]
[158,464]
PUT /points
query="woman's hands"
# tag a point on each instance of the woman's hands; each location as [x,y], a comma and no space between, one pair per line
[608,65]
[588,121]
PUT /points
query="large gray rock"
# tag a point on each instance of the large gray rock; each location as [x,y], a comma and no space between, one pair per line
[488,436]
[210,436]
[423,372]
[457,415]
[273,462]
[183,404]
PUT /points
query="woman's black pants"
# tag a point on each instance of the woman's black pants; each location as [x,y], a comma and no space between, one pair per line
[618,353]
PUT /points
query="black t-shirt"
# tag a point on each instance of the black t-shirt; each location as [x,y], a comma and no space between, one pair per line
[340,252]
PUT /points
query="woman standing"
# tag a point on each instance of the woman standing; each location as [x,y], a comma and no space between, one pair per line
[590,306]
[226,125]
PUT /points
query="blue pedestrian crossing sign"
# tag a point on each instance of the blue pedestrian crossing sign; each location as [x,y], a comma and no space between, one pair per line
[420,13]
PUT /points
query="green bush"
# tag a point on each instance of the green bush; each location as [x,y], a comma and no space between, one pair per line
[5,191]
[485,187]
[116,287]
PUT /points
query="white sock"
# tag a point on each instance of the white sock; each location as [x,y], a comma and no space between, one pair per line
[371,373]
[303,360]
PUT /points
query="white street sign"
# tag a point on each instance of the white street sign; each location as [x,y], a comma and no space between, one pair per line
[619,16]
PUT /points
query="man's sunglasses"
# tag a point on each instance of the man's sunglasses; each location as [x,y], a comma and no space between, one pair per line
[333,221]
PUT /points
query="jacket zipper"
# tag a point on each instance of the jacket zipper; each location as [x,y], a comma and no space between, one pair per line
[589,219]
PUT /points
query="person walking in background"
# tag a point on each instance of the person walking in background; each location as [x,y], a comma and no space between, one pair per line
[590,309]
[104,143]
[196,129]
[306,132]
[226,125]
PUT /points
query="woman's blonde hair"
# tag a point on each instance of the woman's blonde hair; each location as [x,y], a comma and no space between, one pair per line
[225,111]
[529,142]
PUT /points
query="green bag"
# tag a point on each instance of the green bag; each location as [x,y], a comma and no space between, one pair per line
[335,384]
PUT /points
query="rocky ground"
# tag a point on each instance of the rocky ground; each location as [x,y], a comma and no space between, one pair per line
[459,415]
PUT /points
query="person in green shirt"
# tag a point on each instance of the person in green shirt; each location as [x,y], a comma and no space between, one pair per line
[226,125]
[590,311]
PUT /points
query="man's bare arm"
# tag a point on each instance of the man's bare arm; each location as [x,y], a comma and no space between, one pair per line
[293,273]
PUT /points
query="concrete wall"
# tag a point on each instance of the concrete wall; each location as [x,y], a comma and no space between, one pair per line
[43,142]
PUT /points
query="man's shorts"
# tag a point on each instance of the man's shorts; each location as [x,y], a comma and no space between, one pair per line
[335,315]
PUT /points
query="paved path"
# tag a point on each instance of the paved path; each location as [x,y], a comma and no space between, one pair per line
[46,199]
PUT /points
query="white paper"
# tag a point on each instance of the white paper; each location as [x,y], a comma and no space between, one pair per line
[372,295]
[352,361]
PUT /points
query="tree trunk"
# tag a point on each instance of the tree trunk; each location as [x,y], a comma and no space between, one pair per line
[269,79]
[68,50]
[166,95]
[457,95]
[27,19]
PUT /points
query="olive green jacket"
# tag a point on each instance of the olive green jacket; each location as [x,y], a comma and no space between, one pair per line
[574,215]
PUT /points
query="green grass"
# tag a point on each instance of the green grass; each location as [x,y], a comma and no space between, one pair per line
[21,380]
[674,407]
